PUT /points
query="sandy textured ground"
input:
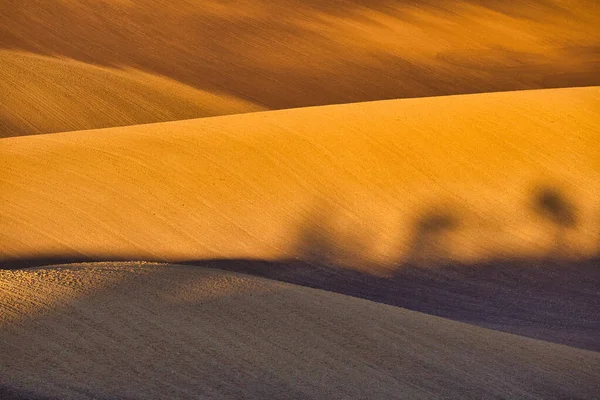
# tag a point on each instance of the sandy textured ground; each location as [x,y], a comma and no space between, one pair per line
[356,179]
[294,53]
[542,299]
[44,94]
[156,331]
[481,208]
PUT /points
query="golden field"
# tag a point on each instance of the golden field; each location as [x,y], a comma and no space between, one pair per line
[293,53]
[45,94]
[299,200]
[247,186]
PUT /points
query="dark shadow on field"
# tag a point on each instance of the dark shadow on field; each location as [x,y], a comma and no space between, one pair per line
[428,246]
[8,393]
[241,341]
[315,243]
[553,205]
[552,298]
[541,299]
[118,363]
[544,299]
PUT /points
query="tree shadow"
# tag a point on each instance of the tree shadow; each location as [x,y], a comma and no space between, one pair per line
[316,242]
[429,244]
[529,296]
[551,204]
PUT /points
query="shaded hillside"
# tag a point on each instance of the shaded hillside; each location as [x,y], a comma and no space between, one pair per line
[556,302]
[543,299]
[295,53]
[45,94]
[135,330]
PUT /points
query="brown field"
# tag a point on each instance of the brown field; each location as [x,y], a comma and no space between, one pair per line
[135,330]
[295,53]
[45,94]
[292,199]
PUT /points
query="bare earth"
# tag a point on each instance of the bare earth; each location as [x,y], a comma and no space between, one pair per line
[133,330]
[44,94]
[359,176]
[405,205]
[293,53]
[541,299]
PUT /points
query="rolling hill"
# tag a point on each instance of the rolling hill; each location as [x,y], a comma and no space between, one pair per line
[296,53]
[357,183]
[134,330]
[45,94]
[549,300]
[299,199]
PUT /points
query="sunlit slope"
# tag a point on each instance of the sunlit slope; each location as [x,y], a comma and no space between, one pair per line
[293,53]
[158,331]
[44,94]
[358,177]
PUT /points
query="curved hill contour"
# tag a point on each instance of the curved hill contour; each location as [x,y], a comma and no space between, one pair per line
[45,94]
[136,330]
[359,177]
[295,53]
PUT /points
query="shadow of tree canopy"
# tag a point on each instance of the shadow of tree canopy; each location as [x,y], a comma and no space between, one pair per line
[537,297]
[428,247]
[553,205]
[315,243]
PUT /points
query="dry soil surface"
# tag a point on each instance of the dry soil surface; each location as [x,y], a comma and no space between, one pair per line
[134,330]
[294,53]
[359,184]
[46,94]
